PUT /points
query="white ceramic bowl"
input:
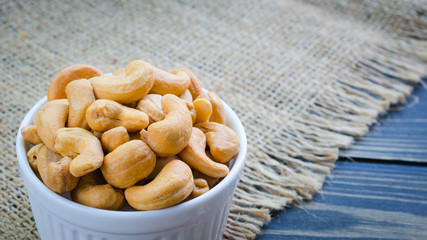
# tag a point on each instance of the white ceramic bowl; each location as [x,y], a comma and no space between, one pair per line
[201,218]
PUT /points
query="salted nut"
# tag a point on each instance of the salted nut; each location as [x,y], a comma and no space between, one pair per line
[113,138]
[200,187]
[172,185]
[32,156]
[128,164]
[169,83]
[125,89]
[195,88]
[223,142]
[80,96]
[82,146]
[195,156]
[169,136]
[152,106]
[57,86]
[54,171]
[218,112]
[51,117]
[103,115]
[29,133]
[91,192]
[160,164]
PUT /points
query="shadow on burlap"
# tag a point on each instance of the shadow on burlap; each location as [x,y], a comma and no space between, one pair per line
[304,78]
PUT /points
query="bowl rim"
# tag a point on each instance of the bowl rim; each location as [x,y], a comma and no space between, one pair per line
[236,170]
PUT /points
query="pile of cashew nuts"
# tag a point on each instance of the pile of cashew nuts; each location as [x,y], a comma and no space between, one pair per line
[143,135]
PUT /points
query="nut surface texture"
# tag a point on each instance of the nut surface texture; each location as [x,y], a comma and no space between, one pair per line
[218,112]
[195,87]
[29,133]
[80,96]
[170,83]
[114,137]
[151,104]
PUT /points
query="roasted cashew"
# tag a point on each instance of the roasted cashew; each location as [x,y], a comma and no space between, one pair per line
[103,115]
[195,88]
[169,136]
[160,163]
[218,112]
[151,104]
[195,156]
[223,142]
[186,96]
[212,181]
[128,164]
[203,108]
[54,171]
[57,86]
[170,83]
[200,187]
[114,137]
[32,156]
[29,133]
[80,96]
[125,89]
[172,185]
[51,117]
[91,192]
[82,146]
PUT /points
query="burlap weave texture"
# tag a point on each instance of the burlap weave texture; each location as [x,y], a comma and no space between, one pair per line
[303,76]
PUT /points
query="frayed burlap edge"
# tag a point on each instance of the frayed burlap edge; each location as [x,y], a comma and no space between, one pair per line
[292,167]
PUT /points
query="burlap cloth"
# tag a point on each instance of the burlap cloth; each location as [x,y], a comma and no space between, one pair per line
[304,78]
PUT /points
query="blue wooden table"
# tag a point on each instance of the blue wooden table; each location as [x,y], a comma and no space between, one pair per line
[378,189]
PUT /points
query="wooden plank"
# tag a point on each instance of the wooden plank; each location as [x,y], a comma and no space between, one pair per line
[360,200]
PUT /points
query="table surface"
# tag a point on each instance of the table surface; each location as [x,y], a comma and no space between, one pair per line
[378,189]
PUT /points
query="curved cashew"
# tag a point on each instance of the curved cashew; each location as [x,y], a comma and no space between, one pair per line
[29,133]
[114,137]
[203,108]
[210,180]
[218,112]
[103,115]
[160,164]
[91,192]
[195,88]
[200,187]
[80,96]
[125,89]
[195,156]
[57,86]
[128,164]
[51,117]
[54,171]
[151,104]
[32,156]
[169,136]
[172,185]
[82,146]
[170,83]
[223,142]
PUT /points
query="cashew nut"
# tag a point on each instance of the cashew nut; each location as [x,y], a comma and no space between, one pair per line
[203,108]
[128,164]
[125,89]
[195,88]
[29,133]
[80,96]
[172,185]
[54,171]
[186,96]
[218,112]
[114,137]
[151,104]
[212,181]
[103,115]
[223,142]
[57,86]
[160,163]
[32,156]
[200,187]
[51,117]
[91,192]
[82,146]
[195,156]
[170,83]
[97,134]
[169,136]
